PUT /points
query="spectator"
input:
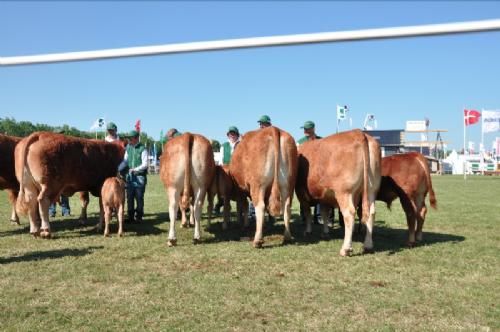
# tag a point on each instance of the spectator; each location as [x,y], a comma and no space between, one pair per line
[112,133]
[226,152]
[136,159]
[63,200]
[264,121]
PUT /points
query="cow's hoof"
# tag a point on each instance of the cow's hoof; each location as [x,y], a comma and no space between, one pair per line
[196,241]
[258,244]
[411,244]
[287,240]
[120,234]
[184,225]
[191,225]
[106,235]
[13,221]
[345,252]
[45,234]
[172,242]
[368,251]
[35,234]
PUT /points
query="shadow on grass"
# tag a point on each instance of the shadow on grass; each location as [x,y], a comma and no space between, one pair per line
[390,240]
[50,254]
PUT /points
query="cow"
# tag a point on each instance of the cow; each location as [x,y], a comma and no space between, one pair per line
[264,168]
[187,169]
[50,164]
[407,177]
[337,171]
[8,180]
[113,198]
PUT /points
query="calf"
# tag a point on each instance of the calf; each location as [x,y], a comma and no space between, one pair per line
[113,198]
[407,177]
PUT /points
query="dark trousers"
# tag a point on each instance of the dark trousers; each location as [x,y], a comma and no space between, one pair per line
[65,209]
[136,186]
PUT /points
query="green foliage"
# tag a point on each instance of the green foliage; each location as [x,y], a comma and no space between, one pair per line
[82,281]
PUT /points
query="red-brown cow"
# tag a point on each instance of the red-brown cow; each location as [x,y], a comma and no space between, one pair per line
[226,190]
[8,179]
[187,169]
[407,177]
[264,168]
[50,164]
[337,171]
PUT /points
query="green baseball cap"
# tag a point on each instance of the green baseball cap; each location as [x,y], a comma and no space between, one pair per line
[133,133]
[264,119]
[233,129]
[111,126]
[308,125]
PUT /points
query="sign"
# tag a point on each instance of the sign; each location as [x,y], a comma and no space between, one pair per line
[419,125]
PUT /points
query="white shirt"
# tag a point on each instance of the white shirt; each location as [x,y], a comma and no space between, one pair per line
[111,139]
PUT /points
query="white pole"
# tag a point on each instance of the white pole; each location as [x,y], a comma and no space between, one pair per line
[466,116]
[322,37]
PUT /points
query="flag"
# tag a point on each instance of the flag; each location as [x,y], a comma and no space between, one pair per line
[491,121]
[471,117]
[162,137]
[138,126]
[342,112]
[99,123]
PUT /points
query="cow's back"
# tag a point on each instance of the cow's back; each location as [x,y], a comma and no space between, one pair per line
[177,151]
[253,161]
[330,166]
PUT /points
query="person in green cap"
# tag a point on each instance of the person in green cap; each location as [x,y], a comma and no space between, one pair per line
[112,132]
[226,152]
[171,133]
[309,132]
[136,159]
[265,121]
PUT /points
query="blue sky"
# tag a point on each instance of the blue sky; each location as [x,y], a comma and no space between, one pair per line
[397,80]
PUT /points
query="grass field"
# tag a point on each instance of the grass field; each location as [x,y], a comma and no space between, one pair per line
[82,281]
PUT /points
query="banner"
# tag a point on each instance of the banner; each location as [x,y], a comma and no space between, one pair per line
[99,123]
[342,112]
[138,126]
[491,121]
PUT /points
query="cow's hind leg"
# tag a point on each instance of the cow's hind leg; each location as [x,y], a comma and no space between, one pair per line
[107,219]
[368,244]
[287,215]
[348,210]
[260,210]
[420,222]
[173,207]
[409,209]
[325,212]
[121,216]
[307,214]
[12,198]
[43,206]
[197,207]
[84,202]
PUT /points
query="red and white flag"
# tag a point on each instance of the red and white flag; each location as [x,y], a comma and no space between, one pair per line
[471,117]
[138,126]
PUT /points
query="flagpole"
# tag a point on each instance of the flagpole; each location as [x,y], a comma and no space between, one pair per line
[337,115]
[465,117]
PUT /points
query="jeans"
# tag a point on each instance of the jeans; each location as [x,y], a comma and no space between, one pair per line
[65,209]
[136,186]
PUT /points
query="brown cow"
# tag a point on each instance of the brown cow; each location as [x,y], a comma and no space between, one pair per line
[264,168]
[8,179]
[113,198]
[407,176]
[50,164]
[337,171]
[187,169]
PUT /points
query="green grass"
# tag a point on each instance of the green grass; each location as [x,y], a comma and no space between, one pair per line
[82,281]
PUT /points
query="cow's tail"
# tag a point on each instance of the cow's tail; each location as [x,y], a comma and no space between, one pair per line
[428,181]
[21,203]
[365,201]
[188,147]
[275,197]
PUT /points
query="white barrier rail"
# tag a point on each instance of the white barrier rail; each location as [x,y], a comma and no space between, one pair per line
[324,37]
